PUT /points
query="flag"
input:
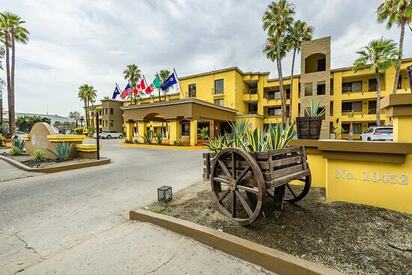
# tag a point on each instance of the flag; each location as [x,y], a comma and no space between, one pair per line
[170,81]
[142,85]
[150,89]
[127,90]
[156,82]
[116,92]
[135,90]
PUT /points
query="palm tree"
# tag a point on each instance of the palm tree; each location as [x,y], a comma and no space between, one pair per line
[298,33]
[1,84]
[87,94]
[379,55]
[164,74]
[397,12]
[277,19]
[132,74]
[76,116]
[13,31]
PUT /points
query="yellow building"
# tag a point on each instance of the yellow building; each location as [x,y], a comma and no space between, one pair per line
[255,97]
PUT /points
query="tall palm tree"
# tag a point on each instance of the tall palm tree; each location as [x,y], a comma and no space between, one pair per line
[132,74]
[379,55]
[87,94]
[1,83]
[397,12]
[277,19]
[76,116]
[164,74]
[298,33]
[13,32]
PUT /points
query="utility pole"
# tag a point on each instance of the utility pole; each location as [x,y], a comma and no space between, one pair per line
[97,135]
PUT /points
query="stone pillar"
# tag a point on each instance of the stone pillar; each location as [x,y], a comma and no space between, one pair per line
[399,108]
[193,132]
[141,130]
[212,129]
[174,131]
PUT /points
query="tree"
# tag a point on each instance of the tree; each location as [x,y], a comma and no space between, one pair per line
[13,32]
[63,127]
[397,12]
[1,82]
[76,116]
[379,55]
[164,74]
[277,19]
[87,94]
[298,33]
[26,122]
[132,74]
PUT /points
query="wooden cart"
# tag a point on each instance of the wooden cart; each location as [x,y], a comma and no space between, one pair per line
[241,180]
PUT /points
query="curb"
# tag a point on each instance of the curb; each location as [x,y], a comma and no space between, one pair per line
[55,169]
[167,147]
[268,258]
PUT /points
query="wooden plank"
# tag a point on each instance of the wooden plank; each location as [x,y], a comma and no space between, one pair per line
[288,178]
[295,149]
[285,161]
[305,164]
[286,171]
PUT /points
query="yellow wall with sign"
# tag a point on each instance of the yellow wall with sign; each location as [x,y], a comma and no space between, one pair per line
[384,185]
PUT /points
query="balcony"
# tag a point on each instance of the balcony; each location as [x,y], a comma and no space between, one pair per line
[217,92]
[250,95]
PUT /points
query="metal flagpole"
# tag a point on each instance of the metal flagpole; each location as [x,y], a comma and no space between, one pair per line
[158,89]
[178,81]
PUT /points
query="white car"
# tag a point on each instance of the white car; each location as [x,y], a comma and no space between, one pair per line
[109,135]
[384,133]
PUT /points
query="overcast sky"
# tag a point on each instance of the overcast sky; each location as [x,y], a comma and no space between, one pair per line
[78,41]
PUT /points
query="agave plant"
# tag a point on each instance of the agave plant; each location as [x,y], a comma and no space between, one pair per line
[38,155]
[63,150]
[315,109]
[278,137]
[148,137]
[256,141]
[158,138]
[19,143]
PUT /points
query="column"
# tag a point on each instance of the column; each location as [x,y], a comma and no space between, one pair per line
[141,131]
[174,131]
[129,131]
[399,108]
[193,132]
[212,129]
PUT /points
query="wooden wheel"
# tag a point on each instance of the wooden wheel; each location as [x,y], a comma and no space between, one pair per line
[235,178]
[294,192]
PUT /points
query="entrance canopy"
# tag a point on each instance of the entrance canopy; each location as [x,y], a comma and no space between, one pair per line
[189,108]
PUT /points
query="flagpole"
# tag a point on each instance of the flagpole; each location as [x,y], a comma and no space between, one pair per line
[158,89]
[178,81]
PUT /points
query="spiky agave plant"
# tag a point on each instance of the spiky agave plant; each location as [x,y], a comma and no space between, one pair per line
[278,136]
[256,141]
[63,150]
[315,109]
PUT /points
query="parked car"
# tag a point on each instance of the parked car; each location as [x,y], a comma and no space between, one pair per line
[384,133]
[109,135]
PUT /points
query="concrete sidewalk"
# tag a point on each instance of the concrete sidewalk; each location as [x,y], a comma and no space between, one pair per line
[9,172]
[141,248]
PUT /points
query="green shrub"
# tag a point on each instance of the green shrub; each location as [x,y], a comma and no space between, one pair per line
[15,151]
[315,109]
[62,151]
[19,143]
[204,133]
[158,138]
[148,137]
[38,155]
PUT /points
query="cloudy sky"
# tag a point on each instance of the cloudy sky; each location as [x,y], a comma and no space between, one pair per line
[79,41]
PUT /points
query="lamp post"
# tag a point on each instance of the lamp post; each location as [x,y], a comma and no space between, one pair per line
[97,135]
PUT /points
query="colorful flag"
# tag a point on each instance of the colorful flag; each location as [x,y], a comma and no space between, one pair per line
[116,92]
[142,85]
[170,81]
[157,82]
[150,89]
[127,90]
[135,90]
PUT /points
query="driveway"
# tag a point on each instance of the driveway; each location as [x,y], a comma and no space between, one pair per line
[76,221]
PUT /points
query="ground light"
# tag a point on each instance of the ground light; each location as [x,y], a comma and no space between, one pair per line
[164,193]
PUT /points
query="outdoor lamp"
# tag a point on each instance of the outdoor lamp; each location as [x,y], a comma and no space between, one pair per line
[409,69]
[164,193]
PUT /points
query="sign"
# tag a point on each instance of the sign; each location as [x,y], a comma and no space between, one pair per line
[373,176]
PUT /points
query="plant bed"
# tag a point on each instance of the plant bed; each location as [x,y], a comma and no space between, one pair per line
[350,238]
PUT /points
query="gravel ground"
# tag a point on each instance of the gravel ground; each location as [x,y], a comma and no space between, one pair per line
[354,239]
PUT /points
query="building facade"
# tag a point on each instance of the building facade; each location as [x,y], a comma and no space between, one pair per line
[347,96]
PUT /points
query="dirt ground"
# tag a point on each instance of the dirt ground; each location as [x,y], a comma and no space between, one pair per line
[354,239]
[27,160]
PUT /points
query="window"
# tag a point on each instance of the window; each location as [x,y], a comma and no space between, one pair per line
[219,86]
[287,93]
[331,108]
[273,94]
[348,107]
[299,90]
[308,89]
[357,128]
[321,65]
[373,84]
[299,109]
[192,90]
[274,111]
[321,88]
[399,83]
[219,102]
[111,111]
[331,87]
[372,107]
[185,128]
[252,108]
[111,123]
[352,87]
[384,131]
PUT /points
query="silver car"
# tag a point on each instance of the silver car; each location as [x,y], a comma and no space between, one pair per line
[384,133]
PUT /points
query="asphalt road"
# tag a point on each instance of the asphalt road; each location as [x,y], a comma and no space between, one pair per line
[76,221]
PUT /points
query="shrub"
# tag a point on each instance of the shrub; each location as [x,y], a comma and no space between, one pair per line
[19,143]
[2,140]
[315,110]
[62,151]
[148,137]
[38,155]
[204,133]
[15,151]
[78,131]
[158,138]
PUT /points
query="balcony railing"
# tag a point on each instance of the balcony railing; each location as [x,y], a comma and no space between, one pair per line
[217,91]
[250,91]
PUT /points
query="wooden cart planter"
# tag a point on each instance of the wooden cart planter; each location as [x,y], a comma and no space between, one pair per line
[242,180]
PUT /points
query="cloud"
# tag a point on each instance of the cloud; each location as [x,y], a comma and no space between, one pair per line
[78,41]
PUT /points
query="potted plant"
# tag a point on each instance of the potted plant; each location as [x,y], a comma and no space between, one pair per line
[309,126]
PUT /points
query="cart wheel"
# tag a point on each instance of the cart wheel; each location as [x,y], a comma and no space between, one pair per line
[236,172]
[294,193]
